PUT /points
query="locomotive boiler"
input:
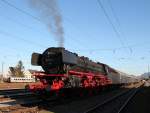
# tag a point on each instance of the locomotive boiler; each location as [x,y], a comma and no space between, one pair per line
[59,61]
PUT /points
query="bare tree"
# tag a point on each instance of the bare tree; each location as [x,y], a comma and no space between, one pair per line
[18,70]
[11,71]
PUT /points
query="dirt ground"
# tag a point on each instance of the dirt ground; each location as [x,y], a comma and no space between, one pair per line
[13,85]
[20,110]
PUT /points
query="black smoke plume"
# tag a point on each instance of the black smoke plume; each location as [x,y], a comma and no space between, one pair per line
[49,14]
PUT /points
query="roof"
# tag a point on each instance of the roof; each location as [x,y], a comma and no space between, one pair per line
[32,71]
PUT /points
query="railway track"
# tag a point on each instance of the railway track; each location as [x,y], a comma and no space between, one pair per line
[20,98]
[14,97]
[114,104]
[14,93]
[24,103]
[12,90]
[23,98]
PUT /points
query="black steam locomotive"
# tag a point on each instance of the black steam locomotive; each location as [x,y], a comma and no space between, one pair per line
[64,69]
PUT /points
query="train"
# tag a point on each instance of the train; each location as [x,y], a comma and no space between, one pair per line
[65,71]
[20,80]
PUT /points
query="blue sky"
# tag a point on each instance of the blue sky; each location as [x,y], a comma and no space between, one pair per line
[87,32]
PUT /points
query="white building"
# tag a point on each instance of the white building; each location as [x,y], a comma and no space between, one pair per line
[28,77]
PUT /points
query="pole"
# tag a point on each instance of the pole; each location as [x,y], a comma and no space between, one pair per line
[2,72]
[148,70]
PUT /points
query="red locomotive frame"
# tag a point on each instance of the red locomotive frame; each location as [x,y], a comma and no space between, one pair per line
[92,81]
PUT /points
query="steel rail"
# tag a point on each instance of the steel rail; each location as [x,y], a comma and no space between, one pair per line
[127,101]
[113,98]
[106,101]
[12,91]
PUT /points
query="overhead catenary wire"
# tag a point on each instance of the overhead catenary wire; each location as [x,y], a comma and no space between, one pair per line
[91,50]
[118,22]
[37,19]
[22,11]
[19,38]
[112,49]
[21,24]
[111,23]
[28,14]
[114,14]
[99,49]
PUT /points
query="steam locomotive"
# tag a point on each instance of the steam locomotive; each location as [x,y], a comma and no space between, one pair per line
[64,70]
